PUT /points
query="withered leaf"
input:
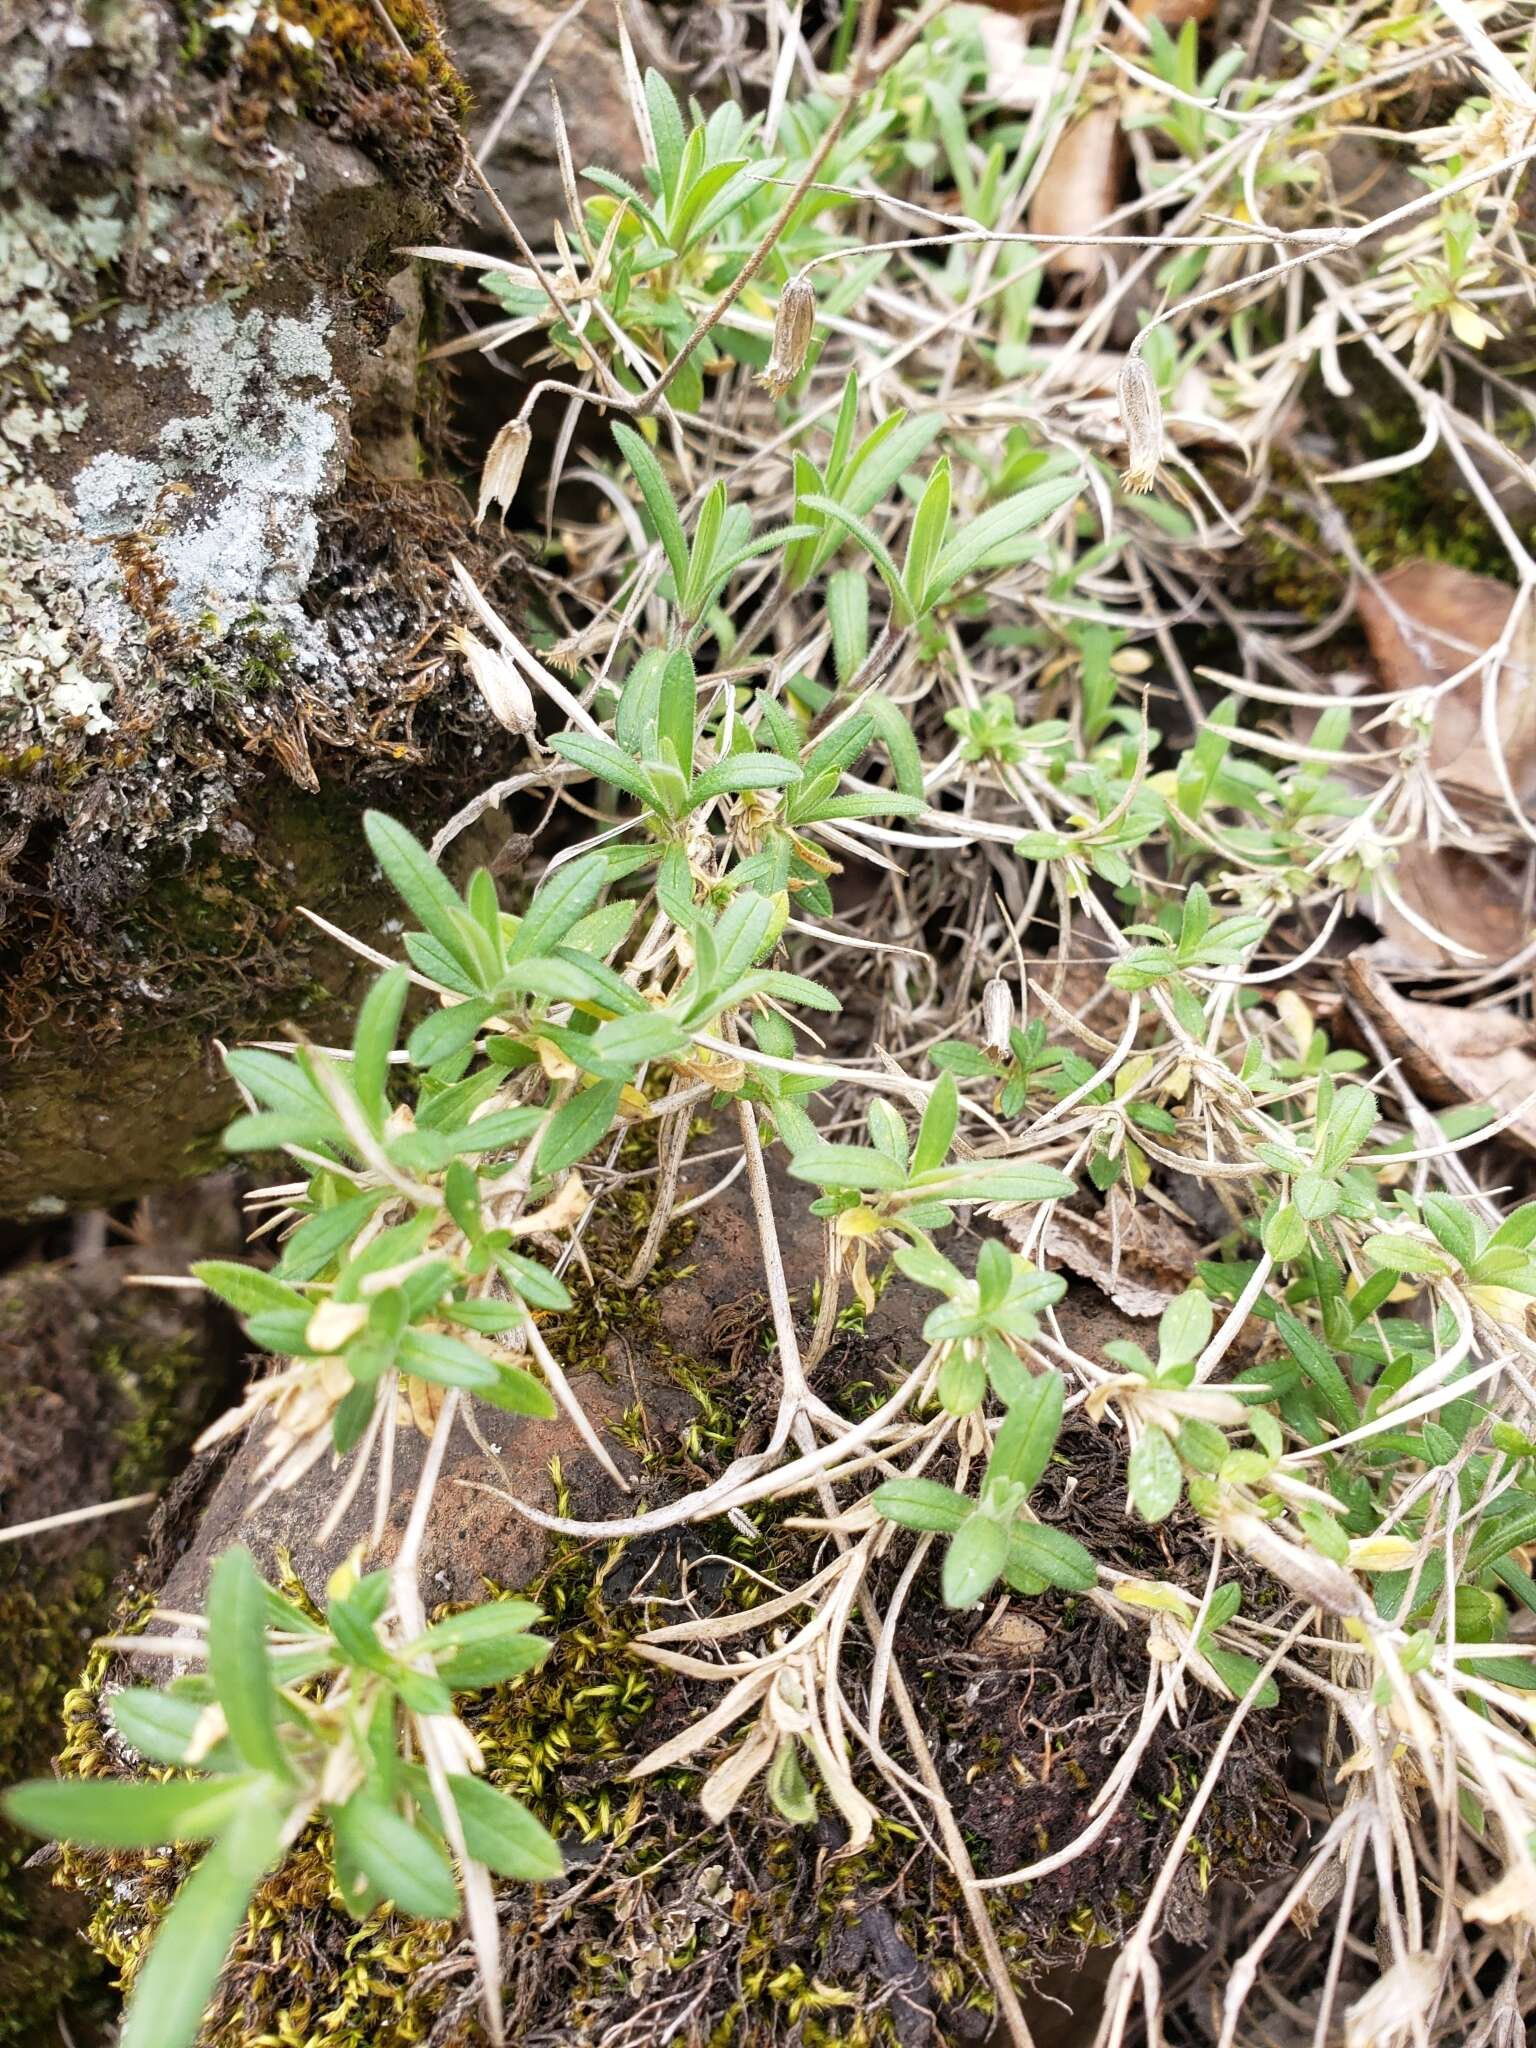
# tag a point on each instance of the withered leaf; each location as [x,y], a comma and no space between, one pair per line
[1452,1055]
[1136,1253]
[1425,621]
[1079,189]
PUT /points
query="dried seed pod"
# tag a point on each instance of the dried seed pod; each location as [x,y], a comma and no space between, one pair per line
[793,326]
[1141,414]
[508,696]
[503,469]
[997,1015]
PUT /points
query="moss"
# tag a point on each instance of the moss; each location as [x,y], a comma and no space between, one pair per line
[756,1932]
[1425,512]
[385,84]
[42,1967]
[102,1388]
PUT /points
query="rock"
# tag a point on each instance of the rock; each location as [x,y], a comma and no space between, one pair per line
[493,44]
[220,572]
[104,1387]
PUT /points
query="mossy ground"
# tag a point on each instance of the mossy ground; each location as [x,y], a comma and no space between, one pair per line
[1423,512]
[757,1932]
[101,1391]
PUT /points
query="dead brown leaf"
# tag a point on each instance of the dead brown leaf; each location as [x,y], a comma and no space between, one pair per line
[1079,188]
[1472,899]
[1137,1254]
[1452,1055]
[1173,13]
[1427,620]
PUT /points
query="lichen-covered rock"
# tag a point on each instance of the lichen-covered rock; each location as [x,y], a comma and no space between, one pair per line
[221,576]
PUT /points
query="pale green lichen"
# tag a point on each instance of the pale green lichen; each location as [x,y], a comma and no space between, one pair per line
[48,264]
[229,490]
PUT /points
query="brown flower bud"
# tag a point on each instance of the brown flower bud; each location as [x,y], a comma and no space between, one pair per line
[504,466]
[1141,414]
[793,327]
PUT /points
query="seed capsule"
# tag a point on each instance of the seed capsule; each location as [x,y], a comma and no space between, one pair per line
[507,695]
[793,326]
[997,1015]
[503,469]
[1141,414]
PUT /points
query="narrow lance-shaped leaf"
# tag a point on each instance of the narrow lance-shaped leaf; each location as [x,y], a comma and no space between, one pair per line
[238,1663]
[181,1972]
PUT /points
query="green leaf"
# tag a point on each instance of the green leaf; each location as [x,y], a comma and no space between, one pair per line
[378,1025]
[1498,1536]
[320,1239]
[936,1133]
[501,1833]
[1284,1234]
[448,1031]
[974,1561]
[875,548]
[247,1289]
[847,1166]
[896,734]
[922,1504]
[1452,1226]
[603,759]
[848,616]
[929,526]
[1023,1445]
[1155,1478]
[998,528]
[743,771]
[1398,1254]
[1316,1196]
[179,1976]
[558,905]
[1060,1560]
[517,1392]
[485,1645]
[1238,1674]
[666,129]
[1518,1228]
[979,1180]
[578,1125]
[419,883]
[1320,1366]
[237,1660]
[658,501]
[159,1725]
[1350,1122]
[787,1788]
[112,1813]
[1184,1329]
[401,1862]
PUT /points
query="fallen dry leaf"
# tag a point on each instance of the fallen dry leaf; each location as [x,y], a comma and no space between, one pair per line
[1079,189]
[1477,901]
[1136,1253]
[1424,622]
[1452,1055]
[1173,13]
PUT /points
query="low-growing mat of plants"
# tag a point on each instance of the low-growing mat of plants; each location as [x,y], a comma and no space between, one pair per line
[964,1188]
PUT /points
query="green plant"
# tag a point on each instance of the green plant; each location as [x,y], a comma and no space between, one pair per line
[260,1751]
[988,1539]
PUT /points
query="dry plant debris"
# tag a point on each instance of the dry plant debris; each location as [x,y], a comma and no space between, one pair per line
[976,838]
